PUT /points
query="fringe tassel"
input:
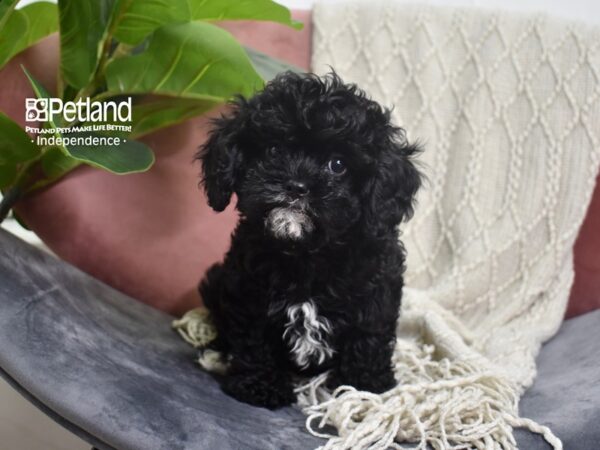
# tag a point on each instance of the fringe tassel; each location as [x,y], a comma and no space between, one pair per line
[439,404]
[196,327]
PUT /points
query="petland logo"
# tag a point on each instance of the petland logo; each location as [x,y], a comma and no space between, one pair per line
[84,122]
[84,110]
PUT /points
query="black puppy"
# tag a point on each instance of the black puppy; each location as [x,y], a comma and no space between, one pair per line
[313,279]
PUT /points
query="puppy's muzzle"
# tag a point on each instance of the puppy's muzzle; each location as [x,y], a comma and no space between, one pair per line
[289,222]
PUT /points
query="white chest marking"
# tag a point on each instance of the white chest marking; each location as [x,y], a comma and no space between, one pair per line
[306,333]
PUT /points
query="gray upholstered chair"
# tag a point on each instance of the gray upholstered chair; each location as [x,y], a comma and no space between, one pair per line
[112,370]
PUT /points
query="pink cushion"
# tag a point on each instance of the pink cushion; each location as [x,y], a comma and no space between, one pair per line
[276,40]
[585,295]
[150,235]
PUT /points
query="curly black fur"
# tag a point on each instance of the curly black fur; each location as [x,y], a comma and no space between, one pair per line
[322,179]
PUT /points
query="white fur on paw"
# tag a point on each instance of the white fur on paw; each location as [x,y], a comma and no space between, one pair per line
[213,362]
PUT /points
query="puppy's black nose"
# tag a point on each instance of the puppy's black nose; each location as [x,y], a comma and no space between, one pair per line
[297,188]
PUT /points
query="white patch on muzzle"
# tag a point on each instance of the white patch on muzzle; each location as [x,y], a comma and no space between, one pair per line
[291,223]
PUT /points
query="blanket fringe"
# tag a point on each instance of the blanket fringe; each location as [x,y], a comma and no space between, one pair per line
[443,404]
[196,327]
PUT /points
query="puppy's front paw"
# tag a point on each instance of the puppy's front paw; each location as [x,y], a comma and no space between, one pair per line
[260,390]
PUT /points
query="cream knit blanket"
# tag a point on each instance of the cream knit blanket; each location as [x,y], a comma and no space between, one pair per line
[508,110]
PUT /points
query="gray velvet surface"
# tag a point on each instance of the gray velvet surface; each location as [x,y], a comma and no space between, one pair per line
[115,368]
[111,370]
[566,393]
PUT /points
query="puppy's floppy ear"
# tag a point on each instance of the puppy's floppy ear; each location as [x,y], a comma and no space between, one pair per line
[392,188]
[221,161]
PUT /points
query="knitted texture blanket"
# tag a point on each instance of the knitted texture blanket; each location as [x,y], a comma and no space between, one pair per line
[507,108]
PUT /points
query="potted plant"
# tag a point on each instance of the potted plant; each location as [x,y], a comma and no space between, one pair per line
[189,66]
[170,62]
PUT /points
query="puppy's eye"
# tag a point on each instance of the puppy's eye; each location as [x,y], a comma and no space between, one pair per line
[336,166]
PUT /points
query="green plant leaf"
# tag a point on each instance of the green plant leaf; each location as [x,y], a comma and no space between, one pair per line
[6,7]
[40,92]
[38,89]
[242,10]
[11,33]
[162,112]
[191,60]
[25,27]
[83,31]
[55,164]
[137,19]
[8,175]
[159,112]
[127,157]
[15,145]
[267,66]
[42,18]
